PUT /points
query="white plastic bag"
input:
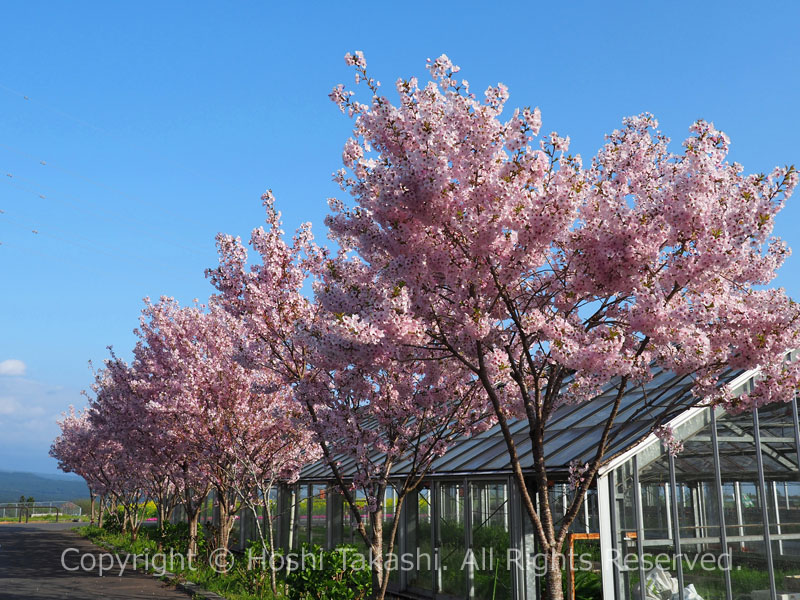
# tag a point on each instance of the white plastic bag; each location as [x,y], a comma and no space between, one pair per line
[658,585]
[689,593]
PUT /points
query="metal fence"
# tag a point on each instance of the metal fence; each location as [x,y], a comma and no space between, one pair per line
[27,510]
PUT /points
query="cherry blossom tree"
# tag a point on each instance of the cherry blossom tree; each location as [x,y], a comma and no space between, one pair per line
[372,404]
[549,280]
[184,418]
[193,386]
[125,409]
[271,446]
[86,449]
[115,415]
[73,449]
[234,422]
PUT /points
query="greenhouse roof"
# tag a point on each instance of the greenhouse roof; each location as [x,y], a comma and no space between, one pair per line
[572,434]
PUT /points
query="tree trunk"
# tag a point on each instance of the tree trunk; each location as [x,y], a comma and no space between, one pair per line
[160,510]
[91,508]
[377,571]
[554,577]
[376,555]
[226,518]
[292,517]
[138,511]
[223,529]
[392,538]
[273,575]
[124,515]
[127,517]
[165,504]
[193,516]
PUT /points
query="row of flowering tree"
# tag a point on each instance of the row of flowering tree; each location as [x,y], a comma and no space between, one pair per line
[184,418]
[479,276]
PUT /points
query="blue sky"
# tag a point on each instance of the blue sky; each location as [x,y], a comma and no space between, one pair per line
[160,124]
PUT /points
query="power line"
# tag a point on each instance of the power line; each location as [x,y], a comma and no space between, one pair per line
[112,217]
[50,108]
[36,230]
[75,174]
[101,274]
[7,247]
[163,158]
[83,244]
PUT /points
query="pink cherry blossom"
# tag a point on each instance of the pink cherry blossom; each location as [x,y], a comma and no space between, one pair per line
[550,278]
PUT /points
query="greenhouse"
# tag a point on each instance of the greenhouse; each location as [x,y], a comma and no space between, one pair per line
[719,520]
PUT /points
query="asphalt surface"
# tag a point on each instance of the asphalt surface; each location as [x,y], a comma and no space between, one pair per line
[35,566]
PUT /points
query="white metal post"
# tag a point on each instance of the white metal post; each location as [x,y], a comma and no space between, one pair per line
[607,557]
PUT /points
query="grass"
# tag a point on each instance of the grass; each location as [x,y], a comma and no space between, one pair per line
[45,519]
[229,585]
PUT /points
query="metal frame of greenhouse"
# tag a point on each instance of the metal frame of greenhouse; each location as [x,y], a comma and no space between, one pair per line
[728,505]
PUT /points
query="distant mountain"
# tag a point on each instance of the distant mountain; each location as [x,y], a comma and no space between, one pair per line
[42,487]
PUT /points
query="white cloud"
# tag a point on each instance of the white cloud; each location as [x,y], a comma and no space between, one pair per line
[12,366]
[29,410]
[8,406]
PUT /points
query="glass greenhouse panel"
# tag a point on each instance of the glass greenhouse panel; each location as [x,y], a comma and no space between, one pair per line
[490,540]
[658,563]
[704,558]
[301,518]
[207,510]
[787,497]
[318,516]
[624,542]
[587,519]
[419,538]
[451,539]
[657,521]
[778,447]
[236,530]
[744,519]
[780,457]
[351,534]
[389,516]
[263,516]
[651,526]
[559,498]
